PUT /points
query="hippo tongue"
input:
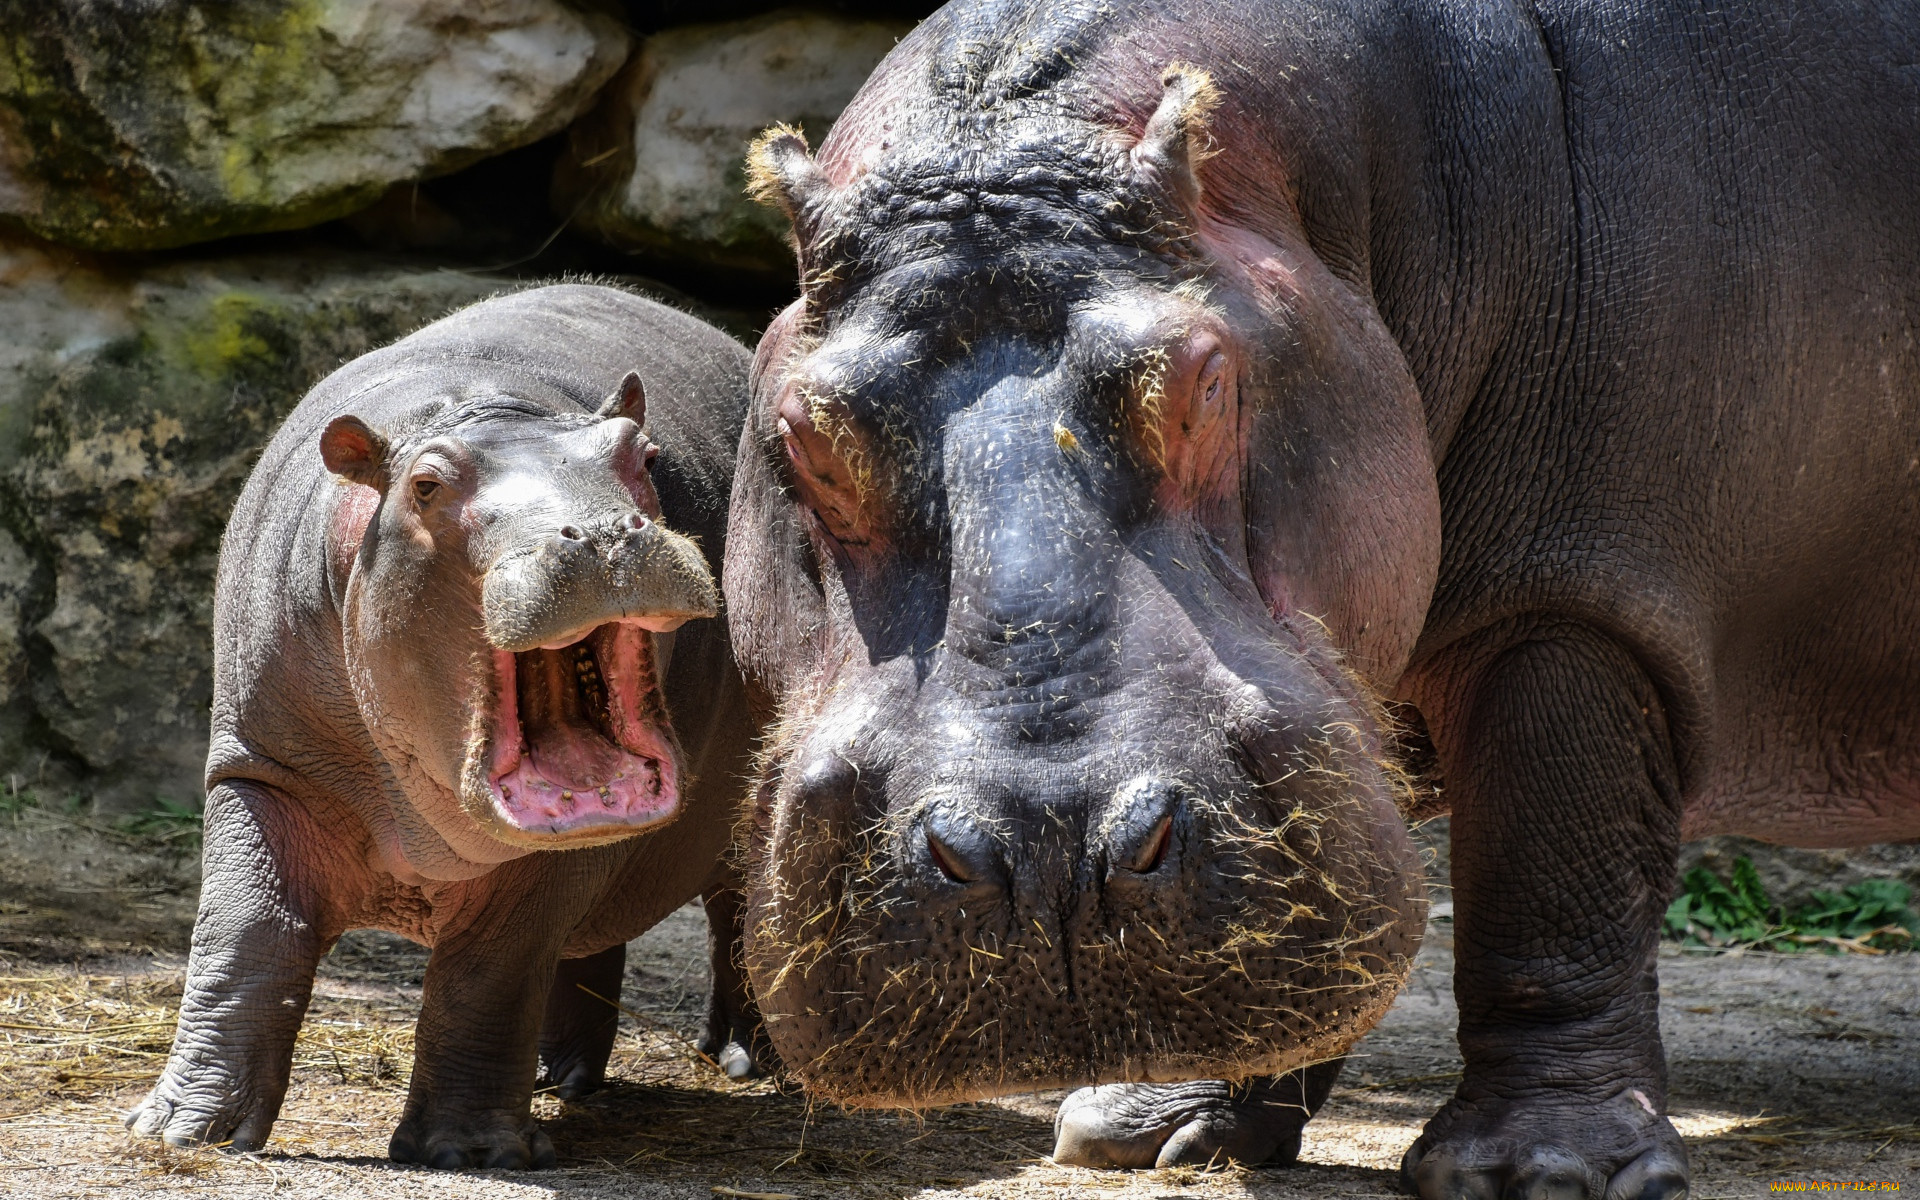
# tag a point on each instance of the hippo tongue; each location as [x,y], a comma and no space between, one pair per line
[563,714]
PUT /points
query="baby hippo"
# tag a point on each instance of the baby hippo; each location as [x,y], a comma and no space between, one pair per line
[457,602]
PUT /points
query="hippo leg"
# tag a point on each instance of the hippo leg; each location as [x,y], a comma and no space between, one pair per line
[476,1046]
[249,976]
[1165,1125]
[1565,831]
[735,1038]
[576,1034]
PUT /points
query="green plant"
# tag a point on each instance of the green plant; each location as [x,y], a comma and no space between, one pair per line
[167,821]
[1869,917]
[15,800]
[1873,911]
[1710,912]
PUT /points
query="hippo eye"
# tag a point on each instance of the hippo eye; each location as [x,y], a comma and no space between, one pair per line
[1213,379]
[423,489]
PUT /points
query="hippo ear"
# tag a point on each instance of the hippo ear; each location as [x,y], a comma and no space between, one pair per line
[629,400]
[352,449]
[781,171]
[1175,141]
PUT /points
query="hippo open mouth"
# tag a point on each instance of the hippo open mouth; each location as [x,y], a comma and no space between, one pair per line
[581,740]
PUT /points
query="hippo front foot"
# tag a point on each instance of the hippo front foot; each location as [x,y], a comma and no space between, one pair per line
[1126,1125]
[735,1039]
[498,1142]
[1618,1149]
[210,1109]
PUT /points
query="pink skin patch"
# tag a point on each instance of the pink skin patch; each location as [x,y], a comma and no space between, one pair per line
[572,777]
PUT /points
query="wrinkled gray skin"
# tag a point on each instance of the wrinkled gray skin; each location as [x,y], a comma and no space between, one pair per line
[492,492]
[1552,366]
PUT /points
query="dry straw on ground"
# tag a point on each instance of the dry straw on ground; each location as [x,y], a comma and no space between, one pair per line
[1784,1067]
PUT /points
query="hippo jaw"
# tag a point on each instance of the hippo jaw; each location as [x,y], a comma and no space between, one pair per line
[575,748]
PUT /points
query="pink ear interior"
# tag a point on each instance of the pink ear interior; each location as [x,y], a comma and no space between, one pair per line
[350,448]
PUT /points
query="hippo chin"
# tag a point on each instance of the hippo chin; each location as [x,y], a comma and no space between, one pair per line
[1171,380]
[449,620]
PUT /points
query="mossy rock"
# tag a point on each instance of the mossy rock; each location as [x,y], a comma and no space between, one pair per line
[142,126]
[132,405]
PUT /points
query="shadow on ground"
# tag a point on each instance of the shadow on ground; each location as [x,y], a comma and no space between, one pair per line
[696,1130]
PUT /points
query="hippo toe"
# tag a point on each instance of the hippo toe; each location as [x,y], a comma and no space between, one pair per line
[1618,1149]
[191,1117]
[447,1143]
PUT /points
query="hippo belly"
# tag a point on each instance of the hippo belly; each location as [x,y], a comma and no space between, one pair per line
[1817,737]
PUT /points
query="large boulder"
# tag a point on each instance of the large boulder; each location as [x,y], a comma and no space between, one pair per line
[143,125]
[132,404]
[659,167]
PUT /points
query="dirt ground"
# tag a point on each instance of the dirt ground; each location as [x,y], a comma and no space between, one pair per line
[1785,1068]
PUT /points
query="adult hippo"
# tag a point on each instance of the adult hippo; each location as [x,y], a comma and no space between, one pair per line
[440,639]
[1172,381]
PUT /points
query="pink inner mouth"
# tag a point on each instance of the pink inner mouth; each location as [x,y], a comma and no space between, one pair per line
[580,736]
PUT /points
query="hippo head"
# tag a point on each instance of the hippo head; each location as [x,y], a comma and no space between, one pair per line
[501,609]
[1076,529]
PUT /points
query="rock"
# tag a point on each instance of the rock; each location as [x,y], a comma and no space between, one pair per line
[16,584]
[132,404]
[659,166]
[131,126]
[649,16]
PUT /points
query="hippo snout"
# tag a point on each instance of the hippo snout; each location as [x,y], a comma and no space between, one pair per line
[584,575]
[942,919]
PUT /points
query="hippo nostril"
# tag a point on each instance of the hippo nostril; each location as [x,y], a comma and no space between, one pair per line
[1154,851]
[1140,830]
[963,853]
[636,521]
[573,533]
[947,859]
